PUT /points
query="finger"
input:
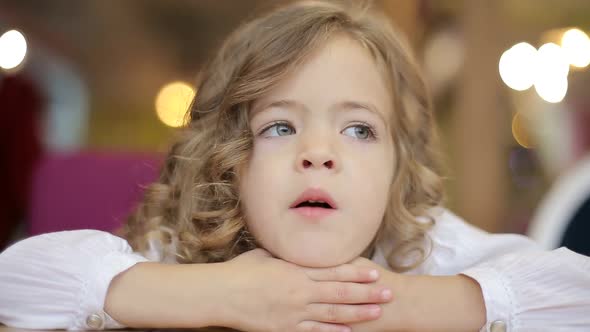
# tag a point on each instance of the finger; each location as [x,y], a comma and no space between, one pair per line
[343,313]
[350,293]
[345,272]
[311,326]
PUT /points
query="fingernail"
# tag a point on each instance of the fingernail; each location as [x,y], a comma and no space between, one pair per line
[386,294]
[375,311]
[374,274]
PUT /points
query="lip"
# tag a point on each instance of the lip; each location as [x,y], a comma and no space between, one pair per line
[315,194]
[310,212]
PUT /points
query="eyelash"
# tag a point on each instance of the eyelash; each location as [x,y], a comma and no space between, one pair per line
[273,124]
[372,132]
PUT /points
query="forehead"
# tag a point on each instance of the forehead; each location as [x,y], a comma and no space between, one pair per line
[341,69]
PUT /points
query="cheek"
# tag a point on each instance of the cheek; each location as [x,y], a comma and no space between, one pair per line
[252,199]
[262,182]
[372,174]
[266,166]
[376,164]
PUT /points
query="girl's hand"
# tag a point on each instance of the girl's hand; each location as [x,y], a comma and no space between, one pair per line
[387,278]
[426,303]
[269,294]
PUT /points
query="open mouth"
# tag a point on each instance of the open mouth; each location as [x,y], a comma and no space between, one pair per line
[314,204]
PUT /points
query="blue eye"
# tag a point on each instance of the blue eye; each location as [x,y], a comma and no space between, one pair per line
[278,129]
[363,132]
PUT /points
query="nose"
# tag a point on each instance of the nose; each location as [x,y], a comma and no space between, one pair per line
[318,156]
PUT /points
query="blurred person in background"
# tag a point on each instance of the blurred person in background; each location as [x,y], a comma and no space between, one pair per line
[43,104]
[21,108]
[563,216]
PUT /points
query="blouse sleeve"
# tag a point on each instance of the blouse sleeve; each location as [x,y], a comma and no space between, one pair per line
[60,280]
[524,287]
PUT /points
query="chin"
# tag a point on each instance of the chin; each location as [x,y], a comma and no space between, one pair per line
[317,257]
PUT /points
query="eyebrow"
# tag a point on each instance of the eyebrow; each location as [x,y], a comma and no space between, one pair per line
[342,105]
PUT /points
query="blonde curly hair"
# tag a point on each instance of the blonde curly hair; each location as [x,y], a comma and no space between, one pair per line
[194,208]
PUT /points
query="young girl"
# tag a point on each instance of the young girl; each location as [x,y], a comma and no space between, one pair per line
[307,180]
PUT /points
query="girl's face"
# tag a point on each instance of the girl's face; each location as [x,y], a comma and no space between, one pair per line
[323,135]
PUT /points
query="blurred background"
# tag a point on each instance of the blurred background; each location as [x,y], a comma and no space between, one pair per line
[91,91]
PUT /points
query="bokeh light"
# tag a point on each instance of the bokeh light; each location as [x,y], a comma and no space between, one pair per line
[576,46]
[551,78]
[13,49]
[521,132]
[550,88]
[552,61]
[173,102]
[518,65]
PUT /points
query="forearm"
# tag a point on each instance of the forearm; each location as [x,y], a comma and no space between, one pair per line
[433,303]
[167,295]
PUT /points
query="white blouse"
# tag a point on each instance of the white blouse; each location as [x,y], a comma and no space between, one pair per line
[60,280]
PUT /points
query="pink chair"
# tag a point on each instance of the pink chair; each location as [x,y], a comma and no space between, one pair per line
[88,190]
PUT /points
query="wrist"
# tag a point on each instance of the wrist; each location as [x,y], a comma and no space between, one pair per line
[474,301]
[396,316]
[220,292]
[433,303]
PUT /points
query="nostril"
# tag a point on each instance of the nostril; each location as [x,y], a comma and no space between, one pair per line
[328,164]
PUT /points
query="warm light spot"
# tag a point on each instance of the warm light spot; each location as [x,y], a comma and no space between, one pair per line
[13,49]
[552,61]
[576,46]
[521,132]
[551,79]
[551,89]
[173,102]
[517,66]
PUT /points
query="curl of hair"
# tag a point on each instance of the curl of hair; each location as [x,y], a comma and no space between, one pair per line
[196,200]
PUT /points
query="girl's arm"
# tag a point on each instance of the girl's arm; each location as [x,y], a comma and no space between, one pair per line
[434,303]
[59,280]
[473,281]
[524,287]
[427,303]
[62,280]
[158,295]
[253,292]
[536,290]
